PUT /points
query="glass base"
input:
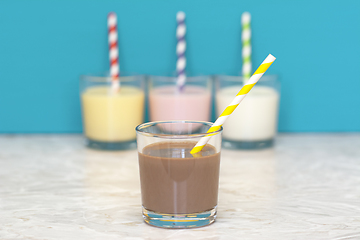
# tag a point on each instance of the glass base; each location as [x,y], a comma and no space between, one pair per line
[111,146]
[192,220]
[249,145]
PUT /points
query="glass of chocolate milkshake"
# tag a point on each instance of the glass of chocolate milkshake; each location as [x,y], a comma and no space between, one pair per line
[178,189]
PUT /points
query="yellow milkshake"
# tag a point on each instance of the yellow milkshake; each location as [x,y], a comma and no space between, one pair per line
[111,117]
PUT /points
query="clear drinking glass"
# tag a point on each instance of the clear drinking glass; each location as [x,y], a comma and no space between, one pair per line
[167,102]
[178,190]
[253,124]
[109,118]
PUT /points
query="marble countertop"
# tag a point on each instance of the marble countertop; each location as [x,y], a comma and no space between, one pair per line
[307,187]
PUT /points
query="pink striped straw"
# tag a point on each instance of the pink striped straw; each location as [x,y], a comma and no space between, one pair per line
[113,52]
[180,50]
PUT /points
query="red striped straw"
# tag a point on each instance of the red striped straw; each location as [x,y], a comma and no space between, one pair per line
[113,52]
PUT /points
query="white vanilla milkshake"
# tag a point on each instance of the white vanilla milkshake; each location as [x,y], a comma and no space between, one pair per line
[253,124]
[255,118]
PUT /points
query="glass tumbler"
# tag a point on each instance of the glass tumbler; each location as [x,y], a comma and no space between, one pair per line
[168,102]
[178,189]
[253,124]
[109,118]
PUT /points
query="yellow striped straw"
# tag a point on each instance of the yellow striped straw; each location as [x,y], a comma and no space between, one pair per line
[239,97]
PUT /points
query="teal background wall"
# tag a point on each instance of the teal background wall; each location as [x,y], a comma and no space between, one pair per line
[46,45]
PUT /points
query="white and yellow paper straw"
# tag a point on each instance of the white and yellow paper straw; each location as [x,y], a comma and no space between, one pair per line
[232,106]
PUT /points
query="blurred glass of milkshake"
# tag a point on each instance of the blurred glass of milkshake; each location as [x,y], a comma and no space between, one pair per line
[110,118]
[168,102]
[253,124]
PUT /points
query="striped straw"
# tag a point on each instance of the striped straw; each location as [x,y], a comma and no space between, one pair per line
[246,45]
[113,52]
[180,50]
[236,101]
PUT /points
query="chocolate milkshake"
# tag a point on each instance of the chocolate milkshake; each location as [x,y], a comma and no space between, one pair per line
[175,182]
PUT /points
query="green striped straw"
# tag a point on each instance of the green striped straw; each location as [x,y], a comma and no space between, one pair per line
[246,45]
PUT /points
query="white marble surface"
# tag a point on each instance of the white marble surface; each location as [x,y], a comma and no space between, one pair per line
[307,187]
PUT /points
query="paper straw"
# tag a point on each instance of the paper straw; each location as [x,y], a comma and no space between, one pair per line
[113,52]
[236,101]
[246,45]
[180,50]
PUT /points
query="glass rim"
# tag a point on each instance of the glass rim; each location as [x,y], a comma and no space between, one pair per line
[172,79]
[173,136]
[101,78]
[235,78]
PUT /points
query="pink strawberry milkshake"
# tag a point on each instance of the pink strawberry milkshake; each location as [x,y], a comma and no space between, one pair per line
[168,103]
